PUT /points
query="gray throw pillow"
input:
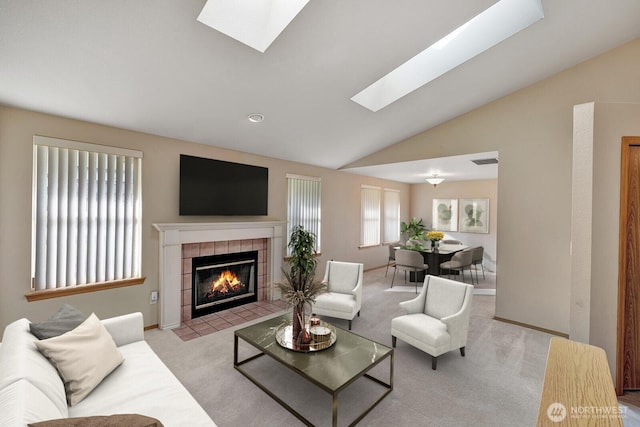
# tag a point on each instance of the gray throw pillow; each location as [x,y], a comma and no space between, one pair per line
[65,320]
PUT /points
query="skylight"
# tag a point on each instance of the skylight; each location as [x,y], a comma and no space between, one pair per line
[497,23]
[256,23]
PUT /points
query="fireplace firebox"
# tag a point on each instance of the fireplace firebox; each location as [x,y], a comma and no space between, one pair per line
[220,282]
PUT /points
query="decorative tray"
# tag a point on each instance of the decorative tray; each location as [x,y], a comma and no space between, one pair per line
[322,335]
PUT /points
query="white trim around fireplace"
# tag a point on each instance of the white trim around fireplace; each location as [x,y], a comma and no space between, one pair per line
[174,235]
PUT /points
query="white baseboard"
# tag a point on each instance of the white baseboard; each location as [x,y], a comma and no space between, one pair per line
[484,291]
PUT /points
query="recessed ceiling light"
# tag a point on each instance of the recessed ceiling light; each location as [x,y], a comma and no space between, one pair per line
[256,117]
[499,22]
[254,23]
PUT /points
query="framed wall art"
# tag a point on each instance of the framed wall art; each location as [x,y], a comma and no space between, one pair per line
[444,214]
[474,215]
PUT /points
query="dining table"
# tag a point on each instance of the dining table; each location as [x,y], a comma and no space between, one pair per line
[433,258]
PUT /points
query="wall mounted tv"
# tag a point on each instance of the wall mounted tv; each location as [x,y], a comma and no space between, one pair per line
[216,187]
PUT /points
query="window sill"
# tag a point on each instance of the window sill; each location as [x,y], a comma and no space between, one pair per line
[369,246]
[82,289]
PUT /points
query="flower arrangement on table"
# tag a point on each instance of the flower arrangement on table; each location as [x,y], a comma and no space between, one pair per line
[434,237]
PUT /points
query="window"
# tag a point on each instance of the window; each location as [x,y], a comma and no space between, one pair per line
[370,214]
[86,214]
[391,215]
[374,203]
[303,205]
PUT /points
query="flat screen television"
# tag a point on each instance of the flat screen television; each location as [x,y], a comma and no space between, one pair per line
[217,187]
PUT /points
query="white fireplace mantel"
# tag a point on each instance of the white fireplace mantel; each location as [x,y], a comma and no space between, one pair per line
[174,235]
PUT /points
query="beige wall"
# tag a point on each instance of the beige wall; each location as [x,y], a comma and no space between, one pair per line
[532,130]
[611,123]
[422,196]
[340,226]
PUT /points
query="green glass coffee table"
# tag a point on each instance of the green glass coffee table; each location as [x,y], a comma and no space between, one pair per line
[332,369]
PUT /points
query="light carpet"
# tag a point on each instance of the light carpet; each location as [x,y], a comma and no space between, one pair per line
[412,289]
[480,281]
[498,383]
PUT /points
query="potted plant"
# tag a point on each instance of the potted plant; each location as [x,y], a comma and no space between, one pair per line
[414,229]
[300,286]
[414,233]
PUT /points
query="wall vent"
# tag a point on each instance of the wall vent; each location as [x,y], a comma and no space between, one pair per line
[481,162]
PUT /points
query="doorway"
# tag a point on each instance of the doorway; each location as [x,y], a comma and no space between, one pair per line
[628,337]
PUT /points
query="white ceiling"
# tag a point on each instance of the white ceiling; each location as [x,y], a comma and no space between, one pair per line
[458,168]
[150,66]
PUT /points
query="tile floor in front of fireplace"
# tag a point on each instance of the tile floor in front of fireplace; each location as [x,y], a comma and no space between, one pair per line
[214,322]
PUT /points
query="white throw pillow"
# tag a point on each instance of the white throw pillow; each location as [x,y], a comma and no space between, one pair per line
[83,356]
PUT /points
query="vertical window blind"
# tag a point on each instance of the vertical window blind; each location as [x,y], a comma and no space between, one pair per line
[303,206]
[370,215]
[391,215]
[87,213]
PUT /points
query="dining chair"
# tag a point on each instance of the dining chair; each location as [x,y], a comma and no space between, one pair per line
[392,256]
[476,259]
[451,242]
[460,261]
[411,261]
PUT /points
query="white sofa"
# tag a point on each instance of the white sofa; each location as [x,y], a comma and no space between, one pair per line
[31,389]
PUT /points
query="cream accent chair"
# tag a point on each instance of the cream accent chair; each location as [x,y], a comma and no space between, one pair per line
[437,320]
[343,299]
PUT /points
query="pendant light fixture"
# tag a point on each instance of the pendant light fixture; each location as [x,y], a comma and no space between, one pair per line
[434,180]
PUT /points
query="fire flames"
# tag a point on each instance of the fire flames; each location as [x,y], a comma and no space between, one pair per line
[227,282]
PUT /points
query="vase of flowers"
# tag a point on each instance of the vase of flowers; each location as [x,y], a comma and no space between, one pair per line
[435,237]
[300,286]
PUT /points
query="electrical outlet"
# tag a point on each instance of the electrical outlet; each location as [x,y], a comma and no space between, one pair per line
[154,297]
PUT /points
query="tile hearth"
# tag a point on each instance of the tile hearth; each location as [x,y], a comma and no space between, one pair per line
[215,322]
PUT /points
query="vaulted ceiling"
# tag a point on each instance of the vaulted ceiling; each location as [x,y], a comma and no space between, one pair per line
[150,66]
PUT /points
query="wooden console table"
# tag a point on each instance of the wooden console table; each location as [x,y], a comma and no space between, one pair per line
[578,389]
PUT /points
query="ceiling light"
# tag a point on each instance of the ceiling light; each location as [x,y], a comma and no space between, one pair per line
[434,179]
[497,23]
[255,117]
[254,23]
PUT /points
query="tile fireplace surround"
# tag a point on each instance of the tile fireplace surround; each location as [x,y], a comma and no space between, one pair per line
[174,235]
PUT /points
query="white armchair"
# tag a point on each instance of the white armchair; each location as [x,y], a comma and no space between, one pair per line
[343,299]
[437,320]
